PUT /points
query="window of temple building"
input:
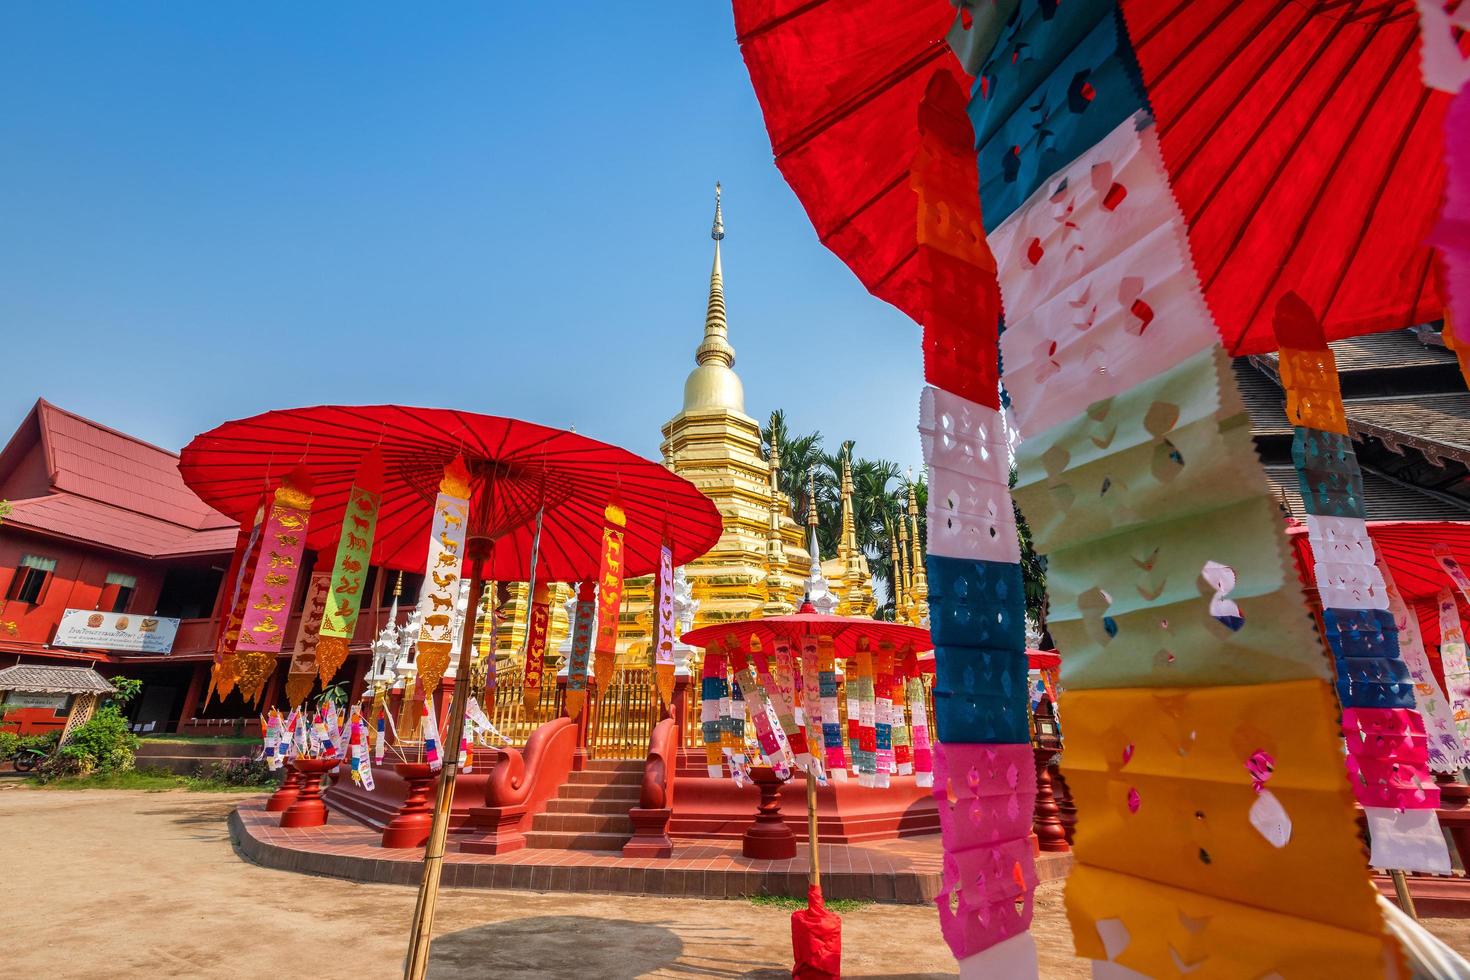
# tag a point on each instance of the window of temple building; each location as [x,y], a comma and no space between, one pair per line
[125,586]
[31,579]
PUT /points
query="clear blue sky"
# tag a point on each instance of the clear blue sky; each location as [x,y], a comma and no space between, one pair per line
[209,209]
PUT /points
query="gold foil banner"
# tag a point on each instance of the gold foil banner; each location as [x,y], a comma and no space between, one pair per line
[440,591]
[537,628]
[268,607]
[303,670]
[349,572]
[609,595]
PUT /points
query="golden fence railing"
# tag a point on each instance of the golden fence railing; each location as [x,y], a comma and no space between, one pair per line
[509,712]
[623,717]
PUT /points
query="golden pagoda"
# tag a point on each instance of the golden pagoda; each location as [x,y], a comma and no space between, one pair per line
[761,562]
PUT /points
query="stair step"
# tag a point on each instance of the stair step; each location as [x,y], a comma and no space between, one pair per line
[585,805]
[582,823]
[591,777]
[614,765]
[577,842]
[623,794]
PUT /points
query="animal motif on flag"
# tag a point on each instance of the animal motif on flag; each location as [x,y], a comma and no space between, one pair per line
[441,579]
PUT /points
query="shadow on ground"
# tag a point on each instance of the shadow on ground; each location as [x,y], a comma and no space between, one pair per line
[548,947]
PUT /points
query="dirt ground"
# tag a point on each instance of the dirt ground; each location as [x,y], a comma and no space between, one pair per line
[127,884]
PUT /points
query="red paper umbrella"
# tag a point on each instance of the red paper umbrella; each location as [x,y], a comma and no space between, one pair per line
[839,84]
[1407,548]
[516,468]
[1304,149]
[844,630]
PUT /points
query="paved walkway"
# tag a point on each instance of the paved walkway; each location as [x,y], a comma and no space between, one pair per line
[125,884]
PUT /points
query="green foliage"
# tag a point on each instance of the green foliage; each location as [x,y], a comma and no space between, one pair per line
[336,695]
[156,780]
[11,743]
[102,744]
[790,904]
[244,772]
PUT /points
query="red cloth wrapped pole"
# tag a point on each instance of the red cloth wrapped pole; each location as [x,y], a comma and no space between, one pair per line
[816,940]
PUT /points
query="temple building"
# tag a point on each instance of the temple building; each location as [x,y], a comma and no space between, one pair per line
[1408,414]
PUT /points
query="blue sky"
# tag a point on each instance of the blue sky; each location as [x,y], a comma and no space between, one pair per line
[210,210]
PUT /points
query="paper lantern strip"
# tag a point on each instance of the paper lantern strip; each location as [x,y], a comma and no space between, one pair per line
[986,895]
[986,793]
[976,603]
[1339,539]
[980,695]
[1327,474]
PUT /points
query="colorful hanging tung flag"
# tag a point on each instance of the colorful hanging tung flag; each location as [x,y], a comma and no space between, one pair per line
[609,594]
[429,725]
[536,632]
[282,541]
[440,590]
[663,637]
[222,673]
[303,670]
[349,571]
[581,648]
[362,766]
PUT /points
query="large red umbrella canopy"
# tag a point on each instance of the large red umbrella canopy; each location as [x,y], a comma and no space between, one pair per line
[516,468]
[844,630]
[1303,147]
[1407,548]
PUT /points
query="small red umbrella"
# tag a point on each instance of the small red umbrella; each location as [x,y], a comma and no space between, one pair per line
[1407,548]
[816,932]
[517,467]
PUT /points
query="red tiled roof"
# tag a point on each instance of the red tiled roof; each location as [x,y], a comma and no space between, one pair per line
[68,515]
[116,491]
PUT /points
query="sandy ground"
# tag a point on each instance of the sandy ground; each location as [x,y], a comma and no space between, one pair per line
[125,884]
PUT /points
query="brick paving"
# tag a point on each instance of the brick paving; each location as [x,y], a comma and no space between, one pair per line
[905,871]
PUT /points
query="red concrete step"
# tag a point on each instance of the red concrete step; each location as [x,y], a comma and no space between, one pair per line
[567,841]
[582,823]
[626,795]
[588,777]
[614,765]
[572,804]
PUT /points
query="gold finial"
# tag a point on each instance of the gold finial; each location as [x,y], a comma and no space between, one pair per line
[398,586]
[811,498]
[716,347]
[775,454]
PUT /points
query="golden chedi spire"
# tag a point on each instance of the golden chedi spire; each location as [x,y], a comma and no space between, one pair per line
[904,573]
[916,561]
[713,384]
[776,603]
[895,577]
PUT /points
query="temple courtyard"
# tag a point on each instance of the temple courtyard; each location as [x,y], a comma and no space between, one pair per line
[159,889]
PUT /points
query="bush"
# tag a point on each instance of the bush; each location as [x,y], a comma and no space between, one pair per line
[243,771]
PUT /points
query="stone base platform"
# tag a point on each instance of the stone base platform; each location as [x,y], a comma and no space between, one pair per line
[905,871]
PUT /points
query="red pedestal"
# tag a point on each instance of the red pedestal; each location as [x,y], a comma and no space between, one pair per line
[1046,823]
[768,838]
[309,810]
[286,795]
[410,828]
[650,834]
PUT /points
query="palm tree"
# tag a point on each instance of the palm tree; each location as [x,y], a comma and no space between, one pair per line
[799,456]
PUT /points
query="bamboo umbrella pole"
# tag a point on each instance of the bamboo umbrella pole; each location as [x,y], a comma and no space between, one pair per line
[417,961]
[814,876]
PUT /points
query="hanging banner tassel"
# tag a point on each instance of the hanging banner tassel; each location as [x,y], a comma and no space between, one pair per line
[758,705]
[663,637]
[430,726]
[576,695]
[732,723]
[302,672]
[380,740]
[349,572]
[362,768]
[905,666]
[271,738]
[713,690]
[866,763]
[923,751]
[811,706]
[267,609]
[831,715]
[537,627]
[609,594]
[222,674]
[439,595]
[334,727]
[883,715]
[778,688]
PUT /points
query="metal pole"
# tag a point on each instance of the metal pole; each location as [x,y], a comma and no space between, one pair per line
[417,961]
[1401,892]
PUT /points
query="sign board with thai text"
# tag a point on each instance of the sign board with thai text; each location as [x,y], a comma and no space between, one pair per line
[92,630]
